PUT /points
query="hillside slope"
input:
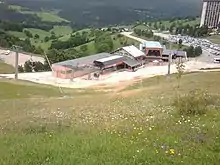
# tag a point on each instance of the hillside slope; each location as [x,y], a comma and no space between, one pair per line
[96,12]
[138,125]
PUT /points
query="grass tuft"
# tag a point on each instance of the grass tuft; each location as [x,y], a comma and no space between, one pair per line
[196,102]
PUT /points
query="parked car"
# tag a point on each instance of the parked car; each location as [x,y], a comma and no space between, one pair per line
[7,52]
[216,60]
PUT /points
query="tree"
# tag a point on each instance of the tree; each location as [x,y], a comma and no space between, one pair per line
[36,36]
[180,42]
[104,47]
[197,51]
[180,70]
[138,32]
[28,66]
[20,69]
[53,36]
[162,28]
[172,27]
[39,50]
[155,25]
[46,39]
[28,34]
[103,43]
[38,66]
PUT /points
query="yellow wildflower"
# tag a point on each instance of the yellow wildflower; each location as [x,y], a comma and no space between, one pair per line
[172,151]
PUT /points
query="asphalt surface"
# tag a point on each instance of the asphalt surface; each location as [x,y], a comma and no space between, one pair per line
[10,58]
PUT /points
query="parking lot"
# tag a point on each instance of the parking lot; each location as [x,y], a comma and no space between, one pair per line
[210,50]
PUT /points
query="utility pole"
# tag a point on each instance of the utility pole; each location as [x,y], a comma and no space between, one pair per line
[16,49]
[169,60]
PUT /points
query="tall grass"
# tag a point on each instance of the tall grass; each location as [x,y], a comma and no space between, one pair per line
[196,102]
[103,129]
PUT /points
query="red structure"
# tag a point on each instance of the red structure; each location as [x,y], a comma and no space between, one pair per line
[152,49]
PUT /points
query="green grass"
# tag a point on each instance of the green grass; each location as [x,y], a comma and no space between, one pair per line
[142,27]
[22,90]
[39,42]
[137,126]
[183,22]
[65,37]
[91,48]
[41,33]
[48,16]
[17,8]
[117,43]
[62,30]
[5,68]
[167,24]
[20,35]
[214,38]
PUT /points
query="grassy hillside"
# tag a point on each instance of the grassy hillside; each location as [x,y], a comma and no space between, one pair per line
[60,32]
[117,43]
[139,125]
[20,35]
[5,68]
[167,24]
[214,38]
[48,16]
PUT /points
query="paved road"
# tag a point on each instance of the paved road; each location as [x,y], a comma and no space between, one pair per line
[128,34]
[10,59]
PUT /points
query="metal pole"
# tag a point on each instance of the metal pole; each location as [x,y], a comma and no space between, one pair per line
[169,60]
[169,64]
[16,49]
[16,64]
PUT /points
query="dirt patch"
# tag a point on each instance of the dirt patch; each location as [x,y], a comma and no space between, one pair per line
[117,87]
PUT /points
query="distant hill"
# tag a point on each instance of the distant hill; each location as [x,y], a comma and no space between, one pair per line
[102,12]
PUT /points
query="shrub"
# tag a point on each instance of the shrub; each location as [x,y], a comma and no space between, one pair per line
[20,69]
[196,102]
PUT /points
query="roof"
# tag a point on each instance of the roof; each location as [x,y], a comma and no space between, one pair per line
[114,57]
[83,61]
[179,53]
[152,44]
[134,51]
[131,63]
[110,61]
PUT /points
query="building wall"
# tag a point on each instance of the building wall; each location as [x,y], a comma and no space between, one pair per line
[204,8]
[66,73]
[159,49]
[210,14]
